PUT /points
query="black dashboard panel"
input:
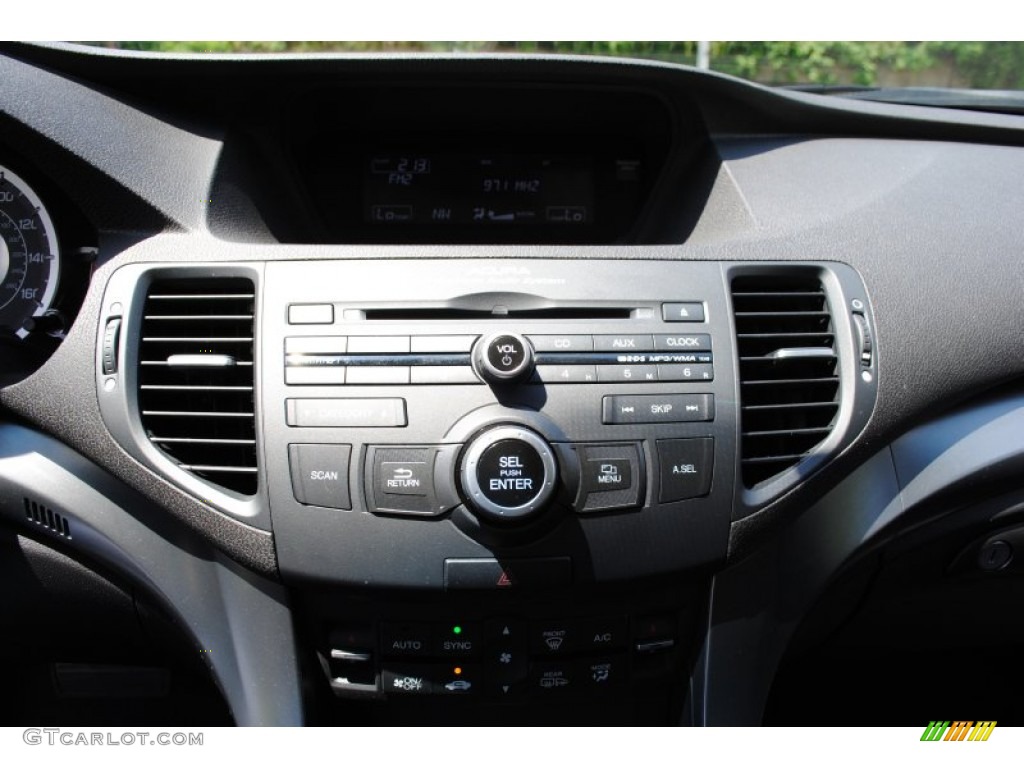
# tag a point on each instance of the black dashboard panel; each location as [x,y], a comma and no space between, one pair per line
[613,461]
[470,165]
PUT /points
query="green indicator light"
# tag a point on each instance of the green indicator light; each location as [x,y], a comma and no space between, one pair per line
[457,630]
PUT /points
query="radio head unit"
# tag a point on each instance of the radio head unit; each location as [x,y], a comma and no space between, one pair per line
[481,411]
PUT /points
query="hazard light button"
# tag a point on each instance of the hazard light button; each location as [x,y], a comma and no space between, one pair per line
[488,573]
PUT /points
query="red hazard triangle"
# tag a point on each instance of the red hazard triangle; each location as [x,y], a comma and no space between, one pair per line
[504,580]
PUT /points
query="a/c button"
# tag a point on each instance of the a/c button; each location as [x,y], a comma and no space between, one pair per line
[686,468]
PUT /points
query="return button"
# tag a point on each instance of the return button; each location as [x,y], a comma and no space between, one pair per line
[657,409]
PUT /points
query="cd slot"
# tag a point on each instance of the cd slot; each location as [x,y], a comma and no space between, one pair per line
[502,313]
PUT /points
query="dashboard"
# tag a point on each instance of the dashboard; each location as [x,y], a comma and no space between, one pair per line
[505,390]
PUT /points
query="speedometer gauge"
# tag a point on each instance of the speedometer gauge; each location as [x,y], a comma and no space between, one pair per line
[29,256]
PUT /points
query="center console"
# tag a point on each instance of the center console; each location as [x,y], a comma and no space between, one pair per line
[498,489]
[507,453]
[426,422]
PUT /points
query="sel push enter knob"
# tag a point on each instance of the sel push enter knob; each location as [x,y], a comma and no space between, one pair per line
[508,474]
[503,358]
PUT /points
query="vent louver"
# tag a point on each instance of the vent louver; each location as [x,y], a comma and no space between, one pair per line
[196,377]
[47,518]
[789,384]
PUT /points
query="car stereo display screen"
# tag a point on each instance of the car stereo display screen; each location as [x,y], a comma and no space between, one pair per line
[486,191]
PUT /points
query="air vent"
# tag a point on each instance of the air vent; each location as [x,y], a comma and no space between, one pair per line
[789,384]
[47,518]
[196,398]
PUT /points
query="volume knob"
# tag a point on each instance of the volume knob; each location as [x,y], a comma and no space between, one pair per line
[503,358]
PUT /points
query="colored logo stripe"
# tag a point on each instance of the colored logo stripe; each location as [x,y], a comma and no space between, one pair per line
[982,730]
[935,730]
[960,730]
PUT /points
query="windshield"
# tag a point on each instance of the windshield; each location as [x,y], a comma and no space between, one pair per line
[976,65]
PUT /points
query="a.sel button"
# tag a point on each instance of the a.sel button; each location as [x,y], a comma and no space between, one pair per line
[320,474]
[686,467]
[656,409]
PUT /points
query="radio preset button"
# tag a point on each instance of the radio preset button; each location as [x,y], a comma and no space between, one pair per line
[377,374]
[328,374]
[378,345]
[435,344]
[685,372]
[443,374]
[316,345]
[634,373]
[565,374]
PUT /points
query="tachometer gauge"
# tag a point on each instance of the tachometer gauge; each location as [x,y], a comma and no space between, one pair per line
[29,256]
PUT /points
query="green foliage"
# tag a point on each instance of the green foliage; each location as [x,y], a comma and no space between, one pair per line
[978,64]
[990,65]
